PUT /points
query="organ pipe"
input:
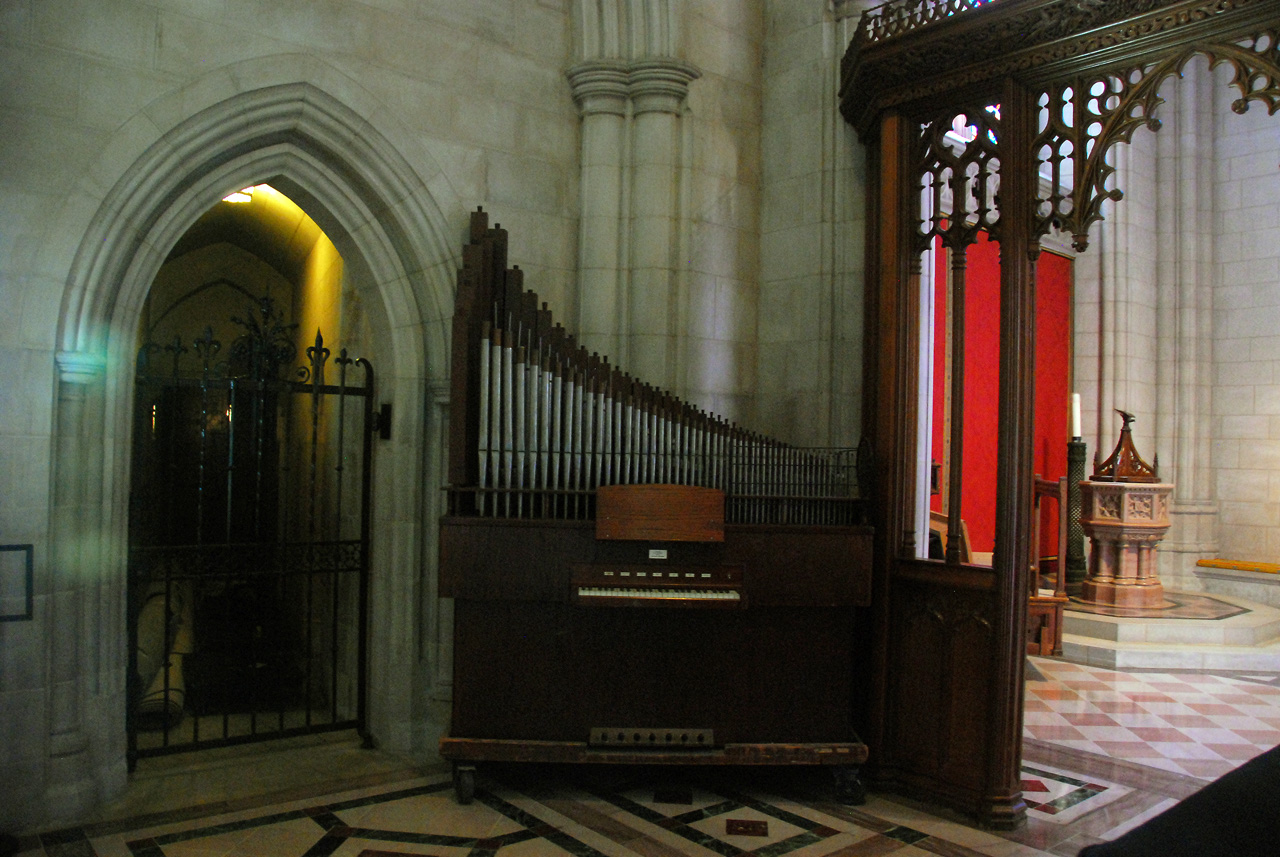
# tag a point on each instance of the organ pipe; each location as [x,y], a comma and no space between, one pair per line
[549,423]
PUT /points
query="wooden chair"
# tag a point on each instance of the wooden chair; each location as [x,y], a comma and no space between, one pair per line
[1046,602]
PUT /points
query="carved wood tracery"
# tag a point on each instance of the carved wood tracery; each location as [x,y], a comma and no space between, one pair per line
[1091,115]
[958,164]
[911,50]
[1086,104]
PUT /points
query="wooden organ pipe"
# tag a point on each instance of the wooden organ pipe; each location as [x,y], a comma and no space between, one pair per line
[544,423]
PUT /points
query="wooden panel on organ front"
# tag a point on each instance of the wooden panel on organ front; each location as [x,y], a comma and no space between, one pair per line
[578,495]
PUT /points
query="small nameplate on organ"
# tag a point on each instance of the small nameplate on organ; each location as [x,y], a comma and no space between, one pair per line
[660,513]
[657,553]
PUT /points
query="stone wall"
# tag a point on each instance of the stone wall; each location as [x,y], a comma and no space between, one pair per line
[1177,304]
[812,231]
[388,122]
[465,104]
[1246,322]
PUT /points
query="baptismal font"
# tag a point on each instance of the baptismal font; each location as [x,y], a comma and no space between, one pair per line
[1125,514]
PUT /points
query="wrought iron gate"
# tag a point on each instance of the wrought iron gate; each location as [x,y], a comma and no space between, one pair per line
[248,540]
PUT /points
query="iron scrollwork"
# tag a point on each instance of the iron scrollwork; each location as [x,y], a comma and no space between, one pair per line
[258,354]
[267,343]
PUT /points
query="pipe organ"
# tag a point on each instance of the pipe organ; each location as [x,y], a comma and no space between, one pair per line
[576,490]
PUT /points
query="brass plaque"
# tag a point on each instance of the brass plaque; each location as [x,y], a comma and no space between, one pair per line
[746,827]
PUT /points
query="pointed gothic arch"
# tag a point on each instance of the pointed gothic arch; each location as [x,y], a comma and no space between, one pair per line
[381,213]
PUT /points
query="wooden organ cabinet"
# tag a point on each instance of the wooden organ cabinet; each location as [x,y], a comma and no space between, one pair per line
[634,581]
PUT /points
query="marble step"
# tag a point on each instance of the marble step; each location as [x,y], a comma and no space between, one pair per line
[1258,626]
[1248,640]
[1114,655]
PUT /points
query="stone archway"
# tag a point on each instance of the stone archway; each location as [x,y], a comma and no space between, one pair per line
[380,212]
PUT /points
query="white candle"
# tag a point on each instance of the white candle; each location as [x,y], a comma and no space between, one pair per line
[1075,415]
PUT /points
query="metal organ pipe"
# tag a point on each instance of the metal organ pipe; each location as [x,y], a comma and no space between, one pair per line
[554,423]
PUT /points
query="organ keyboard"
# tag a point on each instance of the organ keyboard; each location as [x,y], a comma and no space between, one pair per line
[656,586]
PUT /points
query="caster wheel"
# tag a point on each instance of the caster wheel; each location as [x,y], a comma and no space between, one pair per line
[464,783]
[849,787]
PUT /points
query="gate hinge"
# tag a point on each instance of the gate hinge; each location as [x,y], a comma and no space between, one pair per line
[382,421]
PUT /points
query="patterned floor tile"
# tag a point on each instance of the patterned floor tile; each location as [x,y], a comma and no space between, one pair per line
[1090,718]
[1124,746]
[1234,752]
[1196,723]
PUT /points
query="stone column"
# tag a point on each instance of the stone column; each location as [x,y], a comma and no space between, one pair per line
[600,91]
[1184,314]
[658,88]
[75,554]
[1144,337]
[1115,302]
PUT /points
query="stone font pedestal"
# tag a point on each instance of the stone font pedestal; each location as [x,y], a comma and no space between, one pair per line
[1124,522]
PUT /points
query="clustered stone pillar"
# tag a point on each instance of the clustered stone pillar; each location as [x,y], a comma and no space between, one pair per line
[600,90]
[632,160]
[1125,515]
[658,90]
[1162,364]
[1184,318]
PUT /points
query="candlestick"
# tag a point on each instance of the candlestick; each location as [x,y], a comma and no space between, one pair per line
[1075,415]
[1076,564]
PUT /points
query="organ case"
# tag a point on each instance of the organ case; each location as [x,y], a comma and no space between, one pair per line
[578,494]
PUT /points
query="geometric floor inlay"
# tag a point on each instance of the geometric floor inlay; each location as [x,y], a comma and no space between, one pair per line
[533,812]
[530,811]
[426,819]
[1059,797]
[1178,605]
[1105,750]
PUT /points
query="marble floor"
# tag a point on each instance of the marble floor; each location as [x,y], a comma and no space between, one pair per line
[1103,751]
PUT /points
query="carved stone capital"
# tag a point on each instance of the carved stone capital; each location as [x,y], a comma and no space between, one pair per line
[80,367]
[660,85]
[599,86]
